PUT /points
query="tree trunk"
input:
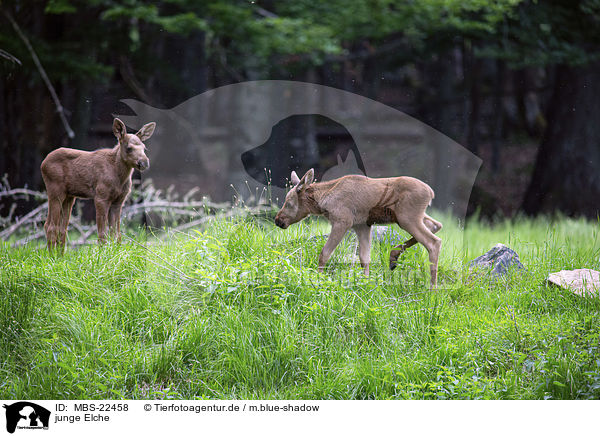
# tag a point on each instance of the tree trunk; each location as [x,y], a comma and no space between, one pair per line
[566,177]
[498,120]
[475,106]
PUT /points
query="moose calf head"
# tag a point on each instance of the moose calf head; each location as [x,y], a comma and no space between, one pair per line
[133,150]
[297,205]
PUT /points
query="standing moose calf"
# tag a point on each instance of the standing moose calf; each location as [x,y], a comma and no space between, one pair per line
[358,202]
[103,175]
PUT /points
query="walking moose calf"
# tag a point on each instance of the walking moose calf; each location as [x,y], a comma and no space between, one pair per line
[358,202]
[103,175]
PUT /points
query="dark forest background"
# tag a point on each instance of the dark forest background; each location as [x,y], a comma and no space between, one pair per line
[516,82]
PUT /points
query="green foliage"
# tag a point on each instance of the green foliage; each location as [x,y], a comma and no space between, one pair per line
[258,37]
[60,7]
[239,30]
[378,21]
[182,23]
[237,310]
[299,32]
[549,32]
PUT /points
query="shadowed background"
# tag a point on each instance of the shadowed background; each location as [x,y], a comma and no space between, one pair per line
[512,81]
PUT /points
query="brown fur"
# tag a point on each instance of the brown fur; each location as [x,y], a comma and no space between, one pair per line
[103,175]
[358,202]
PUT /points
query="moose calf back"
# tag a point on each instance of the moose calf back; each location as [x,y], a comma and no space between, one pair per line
[373,200]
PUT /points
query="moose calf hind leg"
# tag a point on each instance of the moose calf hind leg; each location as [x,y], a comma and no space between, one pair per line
[394,254]
[51,235]
[422,234]
[65,215]
[434,254]
[433,225]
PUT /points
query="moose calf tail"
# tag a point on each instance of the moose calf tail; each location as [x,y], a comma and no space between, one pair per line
[432,194]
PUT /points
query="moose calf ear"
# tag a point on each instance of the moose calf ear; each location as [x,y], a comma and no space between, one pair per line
[309,176]
[307,179]
[295,180]
[119,129]
[146,131]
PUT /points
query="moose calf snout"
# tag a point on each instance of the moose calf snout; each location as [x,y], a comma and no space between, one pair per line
[280,223]
[143,164]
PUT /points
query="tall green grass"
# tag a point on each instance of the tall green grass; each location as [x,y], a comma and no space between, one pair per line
[237,310]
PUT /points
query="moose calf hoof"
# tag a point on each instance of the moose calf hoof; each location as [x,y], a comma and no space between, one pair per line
[393,264]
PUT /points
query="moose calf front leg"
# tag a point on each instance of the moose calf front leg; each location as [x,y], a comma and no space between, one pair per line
[114,221]
[338,230]
[363,232]
[102,207]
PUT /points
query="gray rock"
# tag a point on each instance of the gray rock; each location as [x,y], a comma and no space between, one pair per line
[319,238]
[579,281]
[498,260]
[386,234]
[378,234]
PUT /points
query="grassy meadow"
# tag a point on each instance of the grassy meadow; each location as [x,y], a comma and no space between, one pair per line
[236,310]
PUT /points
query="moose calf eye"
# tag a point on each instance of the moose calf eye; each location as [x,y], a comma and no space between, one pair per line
[129,149]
